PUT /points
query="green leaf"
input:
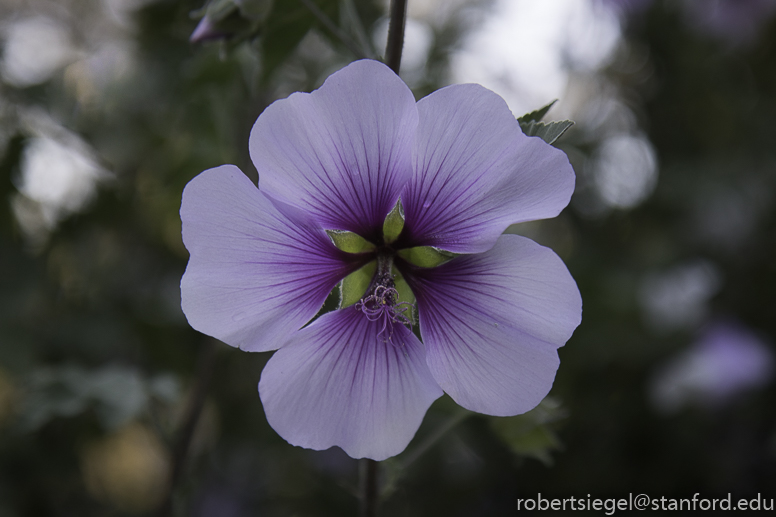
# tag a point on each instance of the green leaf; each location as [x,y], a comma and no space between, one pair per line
[353,286]
[531,433]
[256,9]
[218,10]
[286,25]
[350,242]
[548,132]
[537,443]
[394,223]
[536,115]
[426,256]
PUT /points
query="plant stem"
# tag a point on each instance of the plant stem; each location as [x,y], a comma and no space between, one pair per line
[396,35]
[180,449]
[367,474]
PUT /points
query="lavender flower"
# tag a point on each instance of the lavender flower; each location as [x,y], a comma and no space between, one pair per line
[340,158]
[207,30]
[725,362]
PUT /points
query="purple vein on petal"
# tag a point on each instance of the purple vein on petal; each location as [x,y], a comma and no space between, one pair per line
[475,173]
[259,270]
[492,322]
[341,152]
[339,382]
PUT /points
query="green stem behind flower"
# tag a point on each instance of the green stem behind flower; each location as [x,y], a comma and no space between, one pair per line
[180,449]
[368,469]
[367,474]
[396,34]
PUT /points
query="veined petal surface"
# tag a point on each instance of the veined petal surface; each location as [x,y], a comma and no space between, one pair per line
[492,322]
[475,172]
[255,274]
[341,152]
[340,382]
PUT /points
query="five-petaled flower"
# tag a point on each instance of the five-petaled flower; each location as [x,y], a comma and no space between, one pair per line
[341,159]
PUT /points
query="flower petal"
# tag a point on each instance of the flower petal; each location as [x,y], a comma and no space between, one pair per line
[492,322]
[255,274]
[339,382]
[475,172]
[341,152]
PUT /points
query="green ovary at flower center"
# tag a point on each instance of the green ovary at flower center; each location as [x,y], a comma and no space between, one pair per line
[378,289]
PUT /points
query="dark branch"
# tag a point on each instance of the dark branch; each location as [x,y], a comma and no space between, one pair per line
[396,34]
[180,449]
[368,481]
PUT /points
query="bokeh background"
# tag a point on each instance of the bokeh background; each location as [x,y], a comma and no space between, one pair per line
[107,110]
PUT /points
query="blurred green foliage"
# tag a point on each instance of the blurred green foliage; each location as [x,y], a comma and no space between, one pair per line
[97,362]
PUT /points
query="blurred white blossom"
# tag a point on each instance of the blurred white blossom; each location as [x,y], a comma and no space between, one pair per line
[525,50]
[624,170]
[678,298]
[35,48]
[59,174]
